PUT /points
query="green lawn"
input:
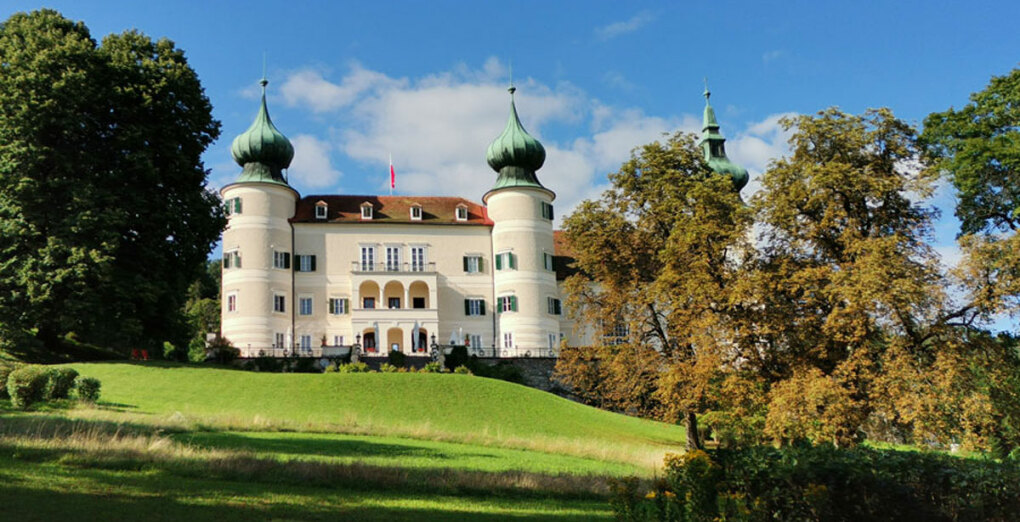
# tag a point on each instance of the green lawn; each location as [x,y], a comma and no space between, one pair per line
[171,442]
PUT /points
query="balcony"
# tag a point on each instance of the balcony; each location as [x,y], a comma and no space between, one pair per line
[392,268]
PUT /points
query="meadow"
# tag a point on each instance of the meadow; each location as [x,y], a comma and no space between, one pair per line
[171,441]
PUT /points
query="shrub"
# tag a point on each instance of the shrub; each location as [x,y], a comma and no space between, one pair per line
[88,389]
[826,483]
[5,370]
[196,350]
[458,357]
[27,385]
[388,368]
[432,367]
[397,359]
[462,370]
[358,367]
[222,351]
[502,370]
[60,382]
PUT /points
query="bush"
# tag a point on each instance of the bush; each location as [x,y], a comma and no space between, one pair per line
[388,368]
[358,367]
[458,357]
[60,382]
[462,370]
[88,389]
[196,350]
[398,359]
[432,367]
[826,483]
[222,351]
[27,385]
[502,370]
[5,370]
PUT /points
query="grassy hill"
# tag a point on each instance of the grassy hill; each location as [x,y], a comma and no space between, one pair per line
[171,442]
[443,407]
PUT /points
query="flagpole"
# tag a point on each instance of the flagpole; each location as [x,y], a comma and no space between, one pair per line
[391,174]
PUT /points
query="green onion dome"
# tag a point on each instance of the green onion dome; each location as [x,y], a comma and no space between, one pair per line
[262,150]
[515,154]
[712,143]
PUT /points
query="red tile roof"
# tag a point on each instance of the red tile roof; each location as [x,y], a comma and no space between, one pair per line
[563,256]
[436,210]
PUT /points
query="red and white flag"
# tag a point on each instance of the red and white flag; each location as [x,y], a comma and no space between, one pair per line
[393,175]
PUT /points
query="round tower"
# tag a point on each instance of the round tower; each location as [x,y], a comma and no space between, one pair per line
[527,300]
[257,282]
[713,145]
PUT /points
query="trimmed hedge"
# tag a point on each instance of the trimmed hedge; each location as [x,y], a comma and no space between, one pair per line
[824,483]
[27,385]
[5,370]
[88,389]
[60,382]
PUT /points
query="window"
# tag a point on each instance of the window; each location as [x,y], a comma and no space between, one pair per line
[305,263]
[320,210]
[506,303]
[474,340]
[281,260]
[418,302]
[279,303]
[368,258]
[506,261]
[232,206]
[618,334]
[232,259]
[508,340]
[547,260]
[462,213]
[366,210]
[392,259]
[416,213]
[554,306]
[552,341]
[306,343]
[279,341]
[417,259]
[474,306]
[305,305]
[547,210]
[338,340]
[473,263]
[338,305]
[232,302]
[393,303]
[369,302]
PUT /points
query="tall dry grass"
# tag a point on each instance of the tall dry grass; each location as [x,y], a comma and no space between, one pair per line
[90,444]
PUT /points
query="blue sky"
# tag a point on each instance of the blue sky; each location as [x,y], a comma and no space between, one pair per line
[351,83]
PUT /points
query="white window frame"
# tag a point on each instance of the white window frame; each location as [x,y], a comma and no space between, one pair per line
[508,340]
[231,302]
[474,263]
[232,259]
[339,305]
[281,259]
[547,210]
[506,260]
[281,340]
[338,340]
[321,210]
[474,306]
[367,258]
[547,261]
[303,262]
[306,343]
[394,253]
[474,340]
[462,212]
[552,341]
[304,300]
[552,304]
[418,258]
[416,212]
[366,211]
[505,303]
[281,299]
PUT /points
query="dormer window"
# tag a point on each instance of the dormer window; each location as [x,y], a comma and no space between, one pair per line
[321,208]
[416,212]
[462,213]
[366,210]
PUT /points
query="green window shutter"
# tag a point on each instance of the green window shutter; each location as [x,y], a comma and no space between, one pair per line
[313,263]
[297,263]
[558,306]
[332,306]
[513,303]
[237,260]
[513,261]
[226,260]
[347,306]
[499,262]
[481,264]
[465,263]
[481,306]
[237,205]
[286,260]
[467,307]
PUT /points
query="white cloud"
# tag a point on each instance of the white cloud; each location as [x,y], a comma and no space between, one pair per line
[627,26]
[312,166]
[756,146]
[307,87]
[771,56]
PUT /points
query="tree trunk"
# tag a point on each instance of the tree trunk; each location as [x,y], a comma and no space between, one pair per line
[693,439]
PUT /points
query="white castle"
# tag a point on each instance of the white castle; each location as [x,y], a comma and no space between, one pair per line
[401,273]
[390,273]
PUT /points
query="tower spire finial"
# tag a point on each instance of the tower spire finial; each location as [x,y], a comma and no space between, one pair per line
[511,88]
[263,82]
[707,92]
